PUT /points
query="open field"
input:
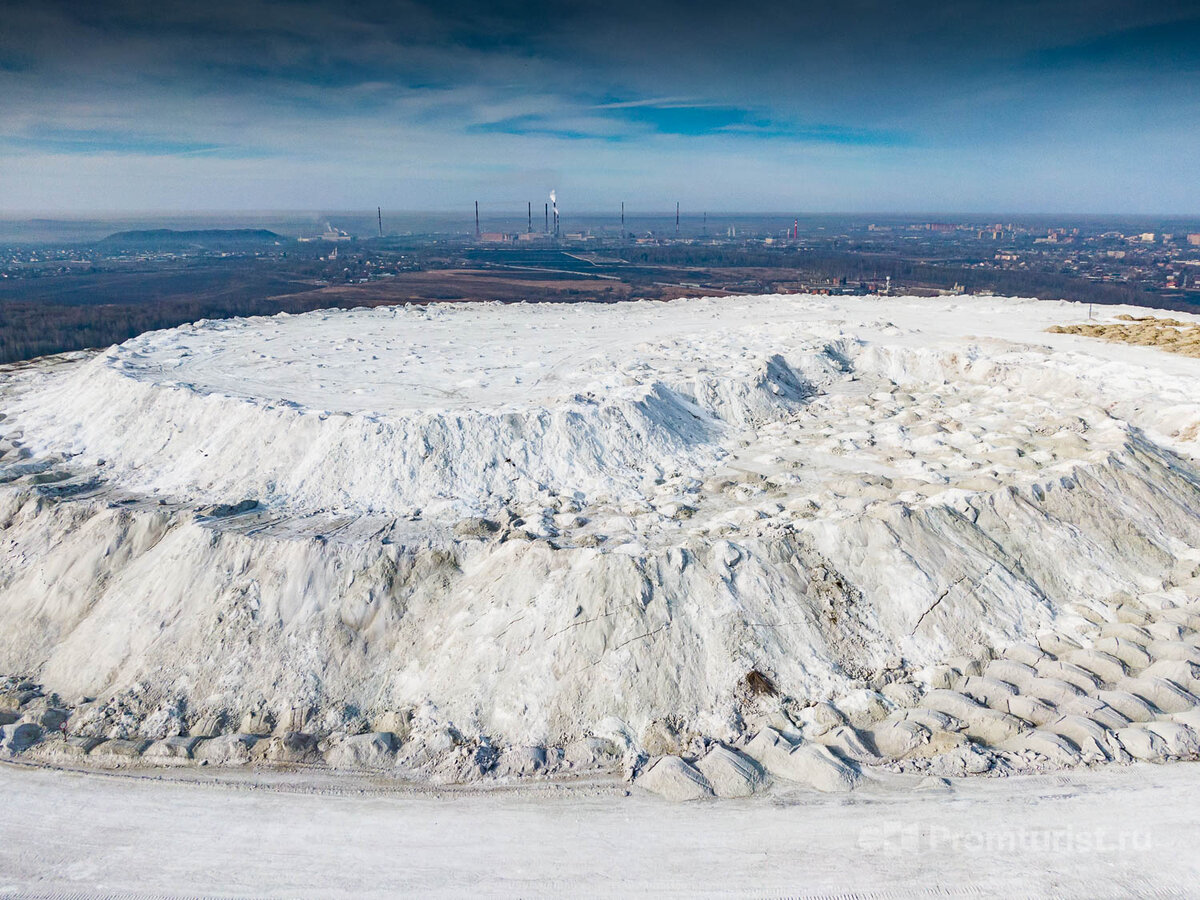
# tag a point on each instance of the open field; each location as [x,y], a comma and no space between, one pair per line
[463,284]
[1127,832]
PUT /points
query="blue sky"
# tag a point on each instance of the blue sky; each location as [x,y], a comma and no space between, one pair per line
[129,105]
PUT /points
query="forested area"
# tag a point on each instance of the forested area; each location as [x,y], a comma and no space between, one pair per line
[33,328]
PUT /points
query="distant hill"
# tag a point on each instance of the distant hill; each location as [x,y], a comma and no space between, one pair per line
[202,239]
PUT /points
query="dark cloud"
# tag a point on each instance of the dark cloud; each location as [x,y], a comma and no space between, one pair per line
[618,42]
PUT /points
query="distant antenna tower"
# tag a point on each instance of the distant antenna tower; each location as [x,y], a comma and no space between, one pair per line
[379,212]
[476,220]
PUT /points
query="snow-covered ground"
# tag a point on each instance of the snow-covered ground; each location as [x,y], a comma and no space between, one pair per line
[1111,833]
[475,541]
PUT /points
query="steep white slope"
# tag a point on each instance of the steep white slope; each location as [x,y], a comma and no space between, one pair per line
[494,526]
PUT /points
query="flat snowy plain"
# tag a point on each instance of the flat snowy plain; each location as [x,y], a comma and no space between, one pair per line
[1111,833]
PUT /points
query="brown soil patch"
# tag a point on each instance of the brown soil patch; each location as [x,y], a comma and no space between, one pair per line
[467,284]
[1171,335]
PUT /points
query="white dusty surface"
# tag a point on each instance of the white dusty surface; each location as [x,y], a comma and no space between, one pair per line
[470,405]
[494,527]
[1115,833]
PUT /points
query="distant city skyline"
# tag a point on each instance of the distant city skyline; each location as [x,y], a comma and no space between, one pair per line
[858,107]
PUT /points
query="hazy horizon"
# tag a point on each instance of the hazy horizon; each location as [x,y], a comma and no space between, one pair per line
[85,228]
[499,208]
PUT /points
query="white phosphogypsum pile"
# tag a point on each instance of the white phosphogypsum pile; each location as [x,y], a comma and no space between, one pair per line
[475,540]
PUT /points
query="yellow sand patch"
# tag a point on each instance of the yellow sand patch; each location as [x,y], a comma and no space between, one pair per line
[1148,331]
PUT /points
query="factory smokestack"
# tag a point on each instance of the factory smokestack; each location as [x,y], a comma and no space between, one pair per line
[476,220]
[547,218]
[554,203]
[529,227]
[676,218]
[379,213]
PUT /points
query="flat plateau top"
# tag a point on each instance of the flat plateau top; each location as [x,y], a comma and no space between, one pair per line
[472,356]
[477,404]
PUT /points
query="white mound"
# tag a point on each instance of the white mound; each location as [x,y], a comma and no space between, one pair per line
[480,527]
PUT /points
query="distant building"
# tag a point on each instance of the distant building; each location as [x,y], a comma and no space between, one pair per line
[495,237]
[1194,240]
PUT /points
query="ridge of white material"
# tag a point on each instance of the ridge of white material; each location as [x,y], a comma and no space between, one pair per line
[680,493]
